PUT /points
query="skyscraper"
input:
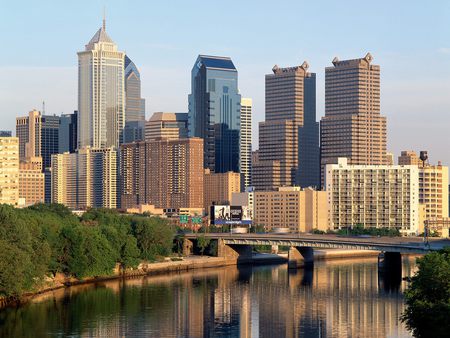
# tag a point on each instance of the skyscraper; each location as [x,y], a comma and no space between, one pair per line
[290,132]
[214,112]
[134,104]
[68,132]
[353,126]
[38,136]
[246,143]
[101,93]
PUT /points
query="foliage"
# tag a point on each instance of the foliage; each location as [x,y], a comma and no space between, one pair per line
[48,238]
[202,243]
[359,229]
[428,296]
[317,232]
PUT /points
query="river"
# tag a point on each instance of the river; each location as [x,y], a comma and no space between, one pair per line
[341,298]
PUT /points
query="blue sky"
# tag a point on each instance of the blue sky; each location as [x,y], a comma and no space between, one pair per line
[410,40]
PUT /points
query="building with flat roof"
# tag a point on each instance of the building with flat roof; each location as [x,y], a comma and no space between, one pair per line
[5,133]
[87,178]
[172,126]
[219,188]
[214,112]
[9,170]
[31,181]
[374,196]
[408,157]
[68,133]
[292,208]
[353,126]
[433,190]
[245,199]
[246,143]
[164,173]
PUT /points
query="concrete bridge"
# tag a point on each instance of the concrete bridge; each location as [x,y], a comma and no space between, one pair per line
[237,248]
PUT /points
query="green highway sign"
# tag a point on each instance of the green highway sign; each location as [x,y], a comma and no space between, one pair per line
[184,219]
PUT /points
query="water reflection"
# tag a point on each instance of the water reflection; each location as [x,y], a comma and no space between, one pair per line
[333,299]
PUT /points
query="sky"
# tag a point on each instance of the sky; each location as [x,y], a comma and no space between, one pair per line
[410,40]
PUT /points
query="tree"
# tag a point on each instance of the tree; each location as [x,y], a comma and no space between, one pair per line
[202,243]
[13,263]
[428,296]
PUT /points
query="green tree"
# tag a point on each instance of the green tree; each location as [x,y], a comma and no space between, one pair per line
[154,236]
[202,243]
[13,263]
[428,296]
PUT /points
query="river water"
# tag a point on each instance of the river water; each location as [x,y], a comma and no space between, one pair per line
[341,298]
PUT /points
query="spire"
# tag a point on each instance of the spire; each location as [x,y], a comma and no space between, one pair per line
[104,19]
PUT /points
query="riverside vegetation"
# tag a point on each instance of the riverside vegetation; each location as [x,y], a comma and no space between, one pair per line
[42,240]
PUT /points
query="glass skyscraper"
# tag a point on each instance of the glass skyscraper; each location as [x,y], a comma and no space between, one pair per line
[68,132]
[134,104]
[214,112]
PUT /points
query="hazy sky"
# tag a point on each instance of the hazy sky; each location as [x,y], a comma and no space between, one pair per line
[410,40]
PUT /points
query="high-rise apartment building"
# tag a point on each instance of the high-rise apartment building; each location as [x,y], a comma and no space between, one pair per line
[246,143]
[433,191]
[68,133]
[219,188]
[291,208]
[38,136]
[165,173]
[171,126]
[31,181]
[9,170]
[353,126]
[409,157]
[289,132]
[374,196]
[214,112]
[101,93]
[87,178]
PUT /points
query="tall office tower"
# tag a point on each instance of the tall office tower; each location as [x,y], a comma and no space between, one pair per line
[5,133]
[68,132]
[163,172]
[87,178]
[214,112]
[246,143]
[219,188]
[376,196]
[172,126]
[290,130]
[409,157]
[101,93]
[353,126]
[9,170]
[38,136]
[134,104]
[31,181]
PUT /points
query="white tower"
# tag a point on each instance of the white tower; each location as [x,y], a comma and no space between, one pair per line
[101,94]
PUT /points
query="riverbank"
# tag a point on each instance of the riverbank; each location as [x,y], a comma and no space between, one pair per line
[177,265]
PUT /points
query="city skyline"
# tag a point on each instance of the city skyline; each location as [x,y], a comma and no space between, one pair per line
[164,56]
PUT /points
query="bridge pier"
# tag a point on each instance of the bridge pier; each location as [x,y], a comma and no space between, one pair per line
[234,254]
[188,247]
[300,257]
[389,270]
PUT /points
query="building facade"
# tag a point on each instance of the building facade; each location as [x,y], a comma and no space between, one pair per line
[9,170]
[171,126]
[245,199]
[31,182]
[353,126]
[214,112]
[409,157]
[374,196]
[101,93]
[290,131]
[291,208]
[164,173]
[219,188]
[246,143]
[134,129]
[38,136]
[68,133]
[87,178]
[433,191]
[5,133]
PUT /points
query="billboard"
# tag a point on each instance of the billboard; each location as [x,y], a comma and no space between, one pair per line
[230,214]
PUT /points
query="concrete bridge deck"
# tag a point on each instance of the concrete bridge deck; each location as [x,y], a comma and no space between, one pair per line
[405,245]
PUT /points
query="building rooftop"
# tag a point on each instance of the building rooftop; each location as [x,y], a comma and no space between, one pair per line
[215,62]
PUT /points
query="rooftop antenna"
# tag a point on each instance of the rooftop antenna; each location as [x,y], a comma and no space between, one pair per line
[104,19]
[43,107]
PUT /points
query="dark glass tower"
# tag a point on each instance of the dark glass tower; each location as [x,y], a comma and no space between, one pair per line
[68,132]
[215,110]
